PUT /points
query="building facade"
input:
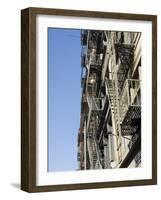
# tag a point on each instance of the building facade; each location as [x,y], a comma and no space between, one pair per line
[110,122]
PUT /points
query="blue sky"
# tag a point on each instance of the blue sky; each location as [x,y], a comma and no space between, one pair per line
[64,94]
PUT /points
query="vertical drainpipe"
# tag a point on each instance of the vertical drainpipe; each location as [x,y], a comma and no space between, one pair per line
[85,147]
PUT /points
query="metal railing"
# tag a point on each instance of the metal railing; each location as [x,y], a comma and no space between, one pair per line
[130,96]
[94,60]
[95,104]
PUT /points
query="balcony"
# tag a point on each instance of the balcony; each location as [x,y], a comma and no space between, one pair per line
[95,104]
[125,53]
[96,41]
[95,61]
[95,109]
[130,107]
[124,59]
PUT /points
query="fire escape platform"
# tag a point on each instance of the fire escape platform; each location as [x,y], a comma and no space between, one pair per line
[129,124]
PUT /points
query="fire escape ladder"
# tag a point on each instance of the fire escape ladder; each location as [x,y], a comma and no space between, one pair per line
[89,148]
[98,164]
[92,126]
[93,149]
[113,95]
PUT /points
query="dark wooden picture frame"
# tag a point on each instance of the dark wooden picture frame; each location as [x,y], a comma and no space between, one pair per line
[28,98]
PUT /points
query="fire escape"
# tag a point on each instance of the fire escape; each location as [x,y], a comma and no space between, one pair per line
[94,63]
[120,105]
[124,94]
[91,104]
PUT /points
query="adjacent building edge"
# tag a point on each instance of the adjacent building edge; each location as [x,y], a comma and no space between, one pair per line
[28,101]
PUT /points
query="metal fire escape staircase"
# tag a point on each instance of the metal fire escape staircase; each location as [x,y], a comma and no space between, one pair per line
[94,62]
[124,97]
[113,95]
[130,93]
[114,84]
[92,126]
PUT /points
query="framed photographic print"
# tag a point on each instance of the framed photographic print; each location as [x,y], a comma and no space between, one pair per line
[88,99]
